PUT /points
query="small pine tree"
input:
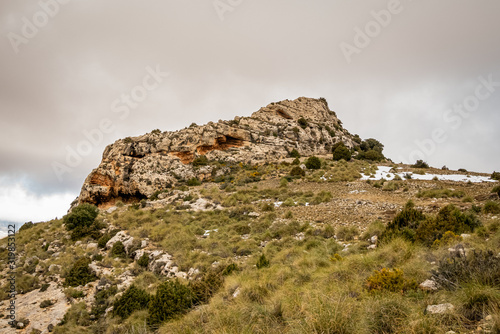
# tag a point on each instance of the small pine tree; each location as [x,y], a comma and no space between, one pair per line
[132,300]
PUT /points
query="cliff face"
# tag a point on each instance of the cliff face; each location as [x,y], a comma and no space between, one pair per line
[135,168]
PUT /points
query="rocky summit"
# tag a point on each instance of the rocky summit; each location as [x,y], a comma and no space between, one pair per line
[135,168]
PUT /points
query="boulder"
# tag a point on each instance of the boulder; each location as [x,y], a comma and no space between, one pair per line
[429,285]
[440,308]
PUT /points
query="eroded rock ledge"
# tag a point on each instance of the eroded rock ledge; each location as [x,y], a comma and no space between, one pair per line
[135,168]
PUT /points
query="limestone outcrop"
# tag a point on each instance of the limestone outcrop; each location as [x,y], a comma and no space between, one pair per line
[135,168]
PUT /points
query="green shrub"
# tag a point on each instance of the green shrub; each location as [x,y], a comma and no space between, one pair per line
[389,280]
[371,155]
[284,183]
[26,226]
[296,161]
[404,223]
[313,163]
[449,218]
[46,303]
[267,207]
[76,315]
[371,144]
[479,301]
[391,186]
[496,190]
[133,299]
[171,299]
[81,221]
[495,176]
[347,232]
[193,182]
[322,197]
[294,154]
[481,267]
[101,243]
[73,293]
[440,193]
[102,301]
[200,161]
[143,260]
[263,262]
[44,287]
[420,164]
[330,131]
[230,269]
[302,122]
[80,273]
[26,283]
[297,171]
[82,215]
[448,238]
[340,151]
[491,207]
[97,257]
[118,250]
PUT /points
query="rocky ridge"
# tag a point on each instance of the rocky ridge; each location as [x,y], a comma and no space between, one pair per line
[135,168]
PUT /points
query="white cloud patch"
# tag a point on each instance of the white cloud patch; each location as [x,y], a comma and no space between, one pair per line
[19,205]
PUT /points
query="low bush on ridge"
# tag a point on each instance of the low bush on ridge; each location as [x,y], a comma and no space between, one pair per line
[415,226]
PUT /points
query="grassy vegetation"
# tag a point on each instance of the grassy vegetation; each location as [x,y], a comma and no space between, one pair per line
[440,193]
[266,268]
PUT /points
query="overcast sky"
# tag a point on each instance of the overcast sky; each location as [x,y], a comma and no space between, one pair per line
[423,77]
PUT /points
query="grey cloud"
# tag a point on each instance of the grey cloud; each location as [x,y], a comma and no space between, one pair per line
[396,89]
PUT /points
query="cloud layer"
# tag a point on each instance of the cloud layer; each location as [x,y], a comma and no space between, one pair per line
[410,69]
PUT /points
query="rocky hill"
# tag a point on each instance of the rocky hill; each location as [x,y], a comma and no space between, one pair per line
[135,168]
[262,224]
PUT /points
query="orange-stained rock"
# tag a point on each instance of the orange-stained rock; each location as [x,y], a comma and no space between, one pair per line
[135,168]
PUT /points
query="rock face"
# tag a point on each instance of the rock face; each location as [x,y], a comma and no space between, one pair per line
[135,168]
